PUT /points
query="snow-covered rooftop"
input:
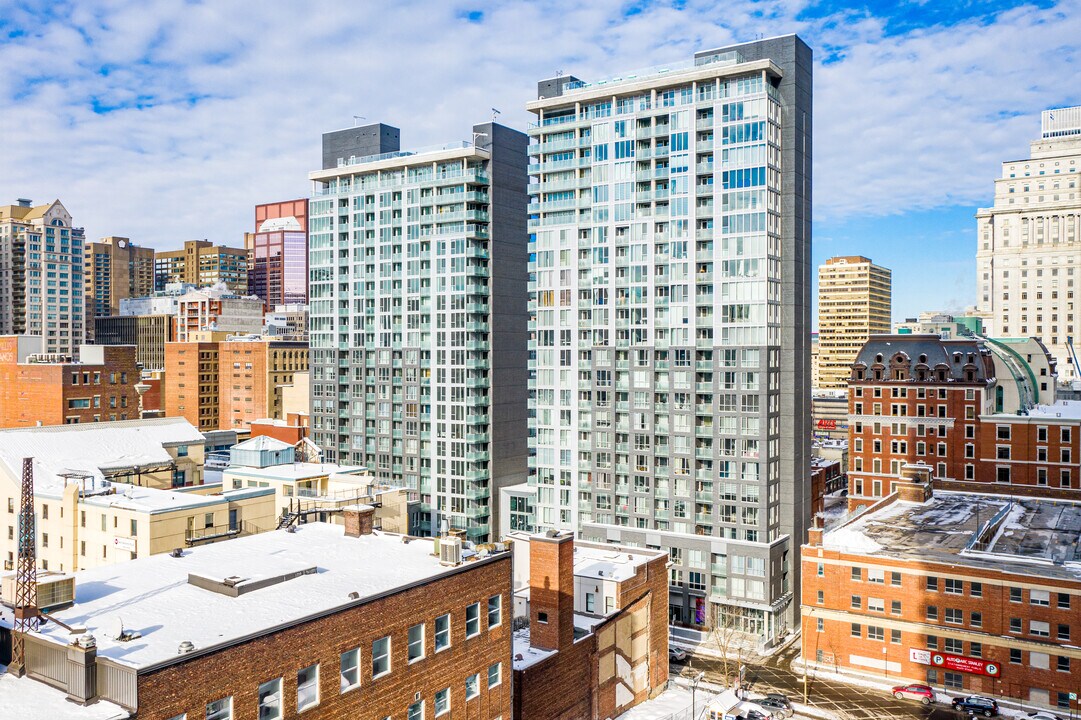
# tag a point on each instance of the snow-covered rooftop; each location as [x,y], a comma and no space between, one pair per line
[1021,534]
[92,448]
[295,471]
[1067,409]
[153,596]
[607,562]
[27,699]
[525,655]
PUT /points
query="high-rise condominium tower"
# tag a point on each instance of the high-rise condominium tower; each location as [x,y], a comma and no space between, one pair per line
[418,316]
[41,275]
[1028,261]
[670,321]
[114,269]
[854,302]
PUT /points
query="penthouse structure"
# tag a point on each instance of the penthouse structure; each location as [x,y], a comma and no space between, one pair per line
[418,316]
[670,321]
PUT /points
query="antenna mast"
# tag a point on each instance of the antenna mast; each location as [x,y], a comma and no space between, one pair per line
[26,578]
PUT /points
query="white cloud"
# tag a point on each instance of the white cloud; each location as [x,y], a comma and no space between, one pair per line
[236,98]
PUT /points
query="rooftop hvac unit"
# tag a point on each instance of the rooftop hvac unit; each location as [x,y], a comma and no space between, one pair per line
[55,590]
[450,551]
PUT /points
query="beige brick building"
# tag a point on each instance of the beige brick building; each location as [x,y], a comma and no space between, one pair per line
[854,302]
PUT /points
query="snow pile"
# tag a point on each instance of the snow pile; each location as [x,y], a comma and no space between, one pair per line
[27,699]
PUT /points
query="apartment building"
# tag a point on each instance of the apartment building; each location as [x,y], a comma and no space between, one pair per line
[202,263]
[279,254]
[418,316]
[670,321]
[968,412]
[967,592]
[148,333]
[41,275]
[1028,262]
[329,621]
[854,302]
[217,308]
[114,269]
[38,388]
[221,382]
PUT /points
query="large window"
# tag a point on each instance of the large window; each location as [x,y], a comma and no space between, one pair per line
[270,700]
[416,642]
[442,632]
[380,657]
[472,620]
[308,687]
[350,669]
[220,709]
[495,610]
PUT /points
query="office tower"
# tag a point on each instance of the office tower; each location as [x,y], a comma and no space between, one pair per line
[203,264]
[41,275]
[148,333]
[670,322]
[1028,260]
[854,302]
[278,271]
[418,316]
[114,269]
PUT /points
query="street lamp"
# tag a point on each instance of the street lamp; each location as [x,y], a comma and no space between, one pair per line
[694,687]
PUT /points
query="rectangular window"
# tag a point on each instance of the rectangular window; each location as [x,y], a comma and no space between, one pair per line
[975,589]
[856,602]
[954,681]
[472,620]
[270,700]
[895,637]
[1039,597]
[895,607]
[895,579]
[857,574]
[932,584]
[416,643]
[1064,601]
[495,610]
[1063,664]
[350,669]
[472,686]
[308,687]
[220,709]
[932,642]
[442,632]
[380,657]
[954,587]
[1039,628]
[976,619]
[954,616]
[1015,656]
[1015,594]
[416,711]
[857,630]
[442,702]
[876,576]
[957,647]
[876,604]
[875,633]
[495,674]
[1063,632]
[975,649]
[1015,625]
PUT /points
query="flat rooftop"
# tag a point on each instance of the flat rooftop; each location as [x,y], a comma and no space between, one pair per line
[609,563]
[281,577]
[1022,535]
[295,471]
[28,699]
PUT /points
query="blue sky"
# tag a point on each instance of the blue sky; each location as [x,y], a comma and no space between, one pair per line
[166,120]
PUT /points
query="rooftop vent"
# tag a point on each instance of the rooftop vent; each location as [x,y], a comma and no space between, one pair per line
[354,595]
[236,585]
[185,648]
[176,552]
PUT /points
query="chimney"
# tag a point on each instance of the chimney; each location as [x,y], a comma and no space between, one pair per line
[23,202]
[82,669]
[359,520]
[551,591]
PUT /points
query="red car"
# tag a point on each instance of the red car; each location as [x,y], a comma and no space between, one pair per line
[924,693]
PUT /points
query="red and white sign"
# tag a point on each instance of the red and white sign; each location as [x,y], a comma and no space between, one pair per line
[826,424]
[959,663]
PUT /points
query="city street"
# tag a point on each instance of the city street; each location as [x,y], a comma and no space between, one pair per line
[849,702]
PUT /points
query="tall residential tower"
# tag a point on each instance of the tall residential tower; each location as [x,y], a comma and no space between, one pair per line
[1028,257]
[854,302]
[418,316]
[670,322]
[115,269]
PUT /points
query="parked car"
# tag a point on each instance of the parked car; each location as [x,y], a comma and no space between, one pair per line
[1043,715]
[924,693]
[780,698]
[676,654]
[774,706]
[976,705]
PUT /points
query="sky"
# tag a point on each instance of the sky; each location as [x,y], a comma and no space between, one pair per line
[169,120]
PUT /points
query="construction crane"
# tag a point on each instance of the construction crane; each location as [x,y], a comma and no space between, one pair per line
[26,577]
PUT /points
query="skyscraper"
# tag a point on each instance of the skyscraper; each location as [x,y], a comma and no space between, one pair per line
[41,275]
[418,316]
[278,274]
[202,263]
[115,269]
[854,302]
[670,321]
[1028,257]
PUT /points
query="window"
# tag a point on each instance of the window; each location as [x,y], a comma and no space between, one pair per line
[821,597]
[1063,632]
[1063,664]
[442,632]
[472,620]
[876,576]
[1015,594]
[416,711]
[976,619]
[820,626]
[308,687]
[975,589]
[1063,601]
[895,579]
[954,587]
[932,584]
[954,681]
[220,709]
[975,649]
[270,700]
[876,604]
[1015,656]
[857,630]
[1015,625]
[1039,628]
[895,607]
[957,647]
[856,602]
[442,702]
[932,642]
[416,643]
[495,610]
[954,616]
[1039,597]
[380,657]
[895,637]
[875,633]
[857,575]
[932,612]
[472,686]
[350,669]
[495,674]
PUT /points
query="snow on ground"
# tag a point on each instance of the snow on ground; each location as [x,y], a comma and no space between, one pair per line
[27,699]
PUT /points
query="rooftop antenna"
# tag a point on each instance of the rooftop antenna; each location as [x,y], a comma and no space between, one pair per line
[357,118]
[495,114]
[26,578]
[559,73]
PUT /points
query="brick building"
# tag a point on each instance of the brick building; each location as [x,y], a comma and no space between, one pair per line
[191,383]
[971,411]
[217,308]
[335,621]
[969,592]
[55,389]
[596,643]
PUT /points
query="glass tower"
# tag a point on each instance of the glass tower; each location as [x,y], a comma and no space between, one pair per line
[669,322]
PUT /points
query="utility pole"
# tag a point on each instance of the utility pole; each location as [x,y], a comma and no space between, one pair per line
[26,578]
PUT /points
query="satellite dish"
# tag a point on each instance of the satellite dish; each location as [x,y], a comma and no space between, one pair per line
[114,628]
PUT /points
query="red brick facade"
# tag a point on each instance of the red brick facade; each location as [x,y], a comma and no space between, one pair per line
[238,671]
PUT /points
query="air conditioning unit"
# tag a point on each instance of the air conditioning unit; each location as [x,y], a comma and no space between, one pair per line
[55,590]
[450,551]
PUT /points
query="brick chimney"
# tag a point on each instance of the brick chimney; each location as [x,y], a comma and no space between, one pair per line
[359,520]
[551,591]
